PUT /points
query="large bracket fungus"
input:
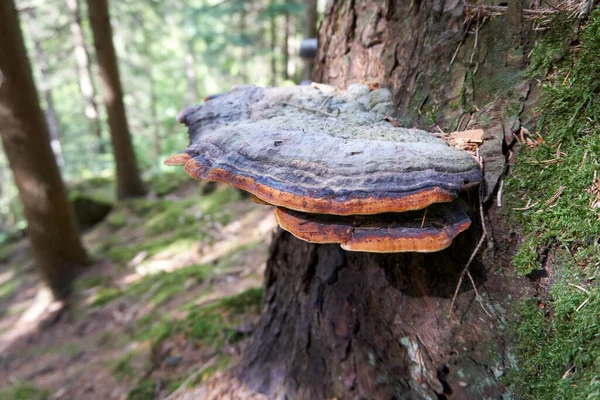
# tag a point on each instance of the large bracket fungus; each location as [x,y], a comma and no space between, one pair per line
[332,163]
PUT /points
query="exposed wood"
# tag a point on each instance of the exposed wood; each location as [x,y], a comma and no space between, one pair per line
[52,229]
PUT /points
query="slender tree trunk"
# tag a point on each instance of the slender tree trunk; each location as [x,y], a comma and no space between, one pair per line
[348,325]
[52,228]
[129,183]
[41,62]
[86,84]
[310,31]
[273,37]
[243,35]
[286,46]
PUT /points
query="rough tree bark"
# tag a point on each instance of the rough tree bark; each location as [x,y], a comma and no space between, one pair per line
[86,84]
[52,228]
[129,183]
[310,31]
[349,325]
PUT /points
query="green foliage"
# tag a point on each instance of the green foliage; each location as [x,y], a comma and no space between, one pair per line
[24,391]
[557,337]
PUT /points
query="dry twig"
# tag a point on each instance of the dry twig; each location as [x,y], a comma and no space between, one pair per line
[554,197]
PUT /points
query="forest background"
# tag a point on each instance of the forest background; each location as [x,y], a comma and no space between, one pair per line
[171,54]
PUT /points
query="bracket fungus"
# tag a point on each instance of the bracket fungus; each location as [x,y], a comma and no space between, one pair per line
[330,162]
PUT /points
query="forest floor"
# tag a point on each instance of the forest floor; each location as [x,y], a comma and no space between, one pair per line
[174,290]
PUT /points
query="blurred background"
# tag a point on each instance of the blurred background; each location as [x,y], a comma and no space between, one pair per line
[173,267]
[171,54]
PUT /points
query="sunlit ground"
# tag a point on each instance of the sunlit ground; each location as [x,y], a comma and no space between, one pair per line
[174,292]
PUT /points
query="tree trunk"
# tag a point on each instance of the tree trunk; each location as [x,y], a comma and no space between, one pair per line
[273,37]
[86,84]
[286,46]
[347,325]
[310,31]
[129,183]
[244,36]
[41,63]
[52,228]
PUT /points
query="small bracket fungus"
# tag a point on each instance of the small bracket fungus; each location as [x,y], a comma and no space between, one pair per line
[320,151]
[383,233]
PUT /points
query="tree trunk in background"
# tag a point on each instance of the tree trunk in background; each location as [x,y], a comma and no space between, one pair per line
[286,46]
[244,54]
[129,183]
[52,228]
[41,63]
[310,31]
[86,84]
[273,30]
[349,325]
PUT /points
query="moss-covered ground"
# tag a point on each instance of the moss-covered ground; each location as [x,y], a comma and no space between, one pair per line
[552,196]
[176,283]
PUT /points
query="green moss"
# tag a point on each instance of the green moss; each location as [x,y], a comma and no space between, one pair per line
[167,284]
[558,345]
[101,188]
[183,238]
[168,218]
[214,202]
[123,368]
[88,282]
[167,183]
[24,391]
[116,220]
[8,288]
[145,390]
[106,295]
[209,325]
[554,49]
[6,252]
